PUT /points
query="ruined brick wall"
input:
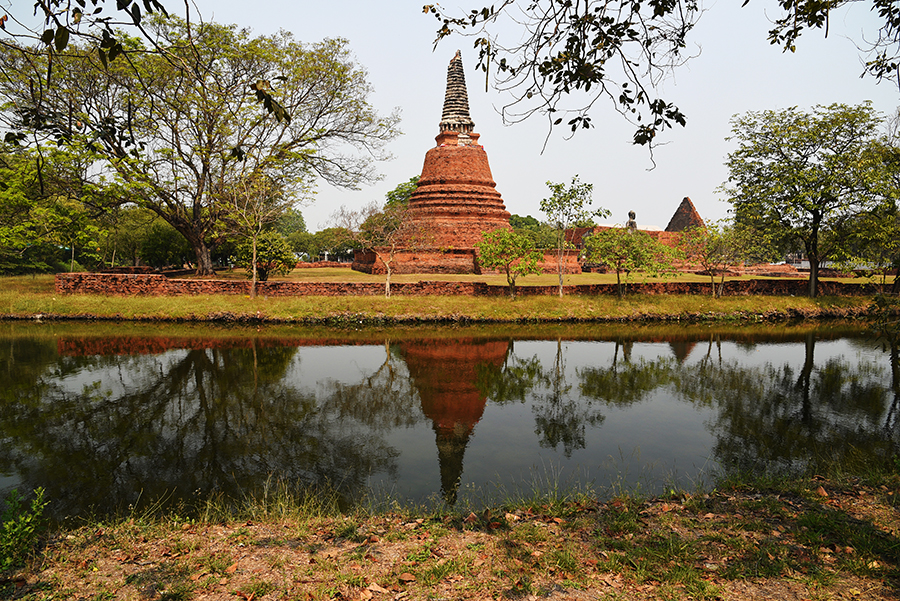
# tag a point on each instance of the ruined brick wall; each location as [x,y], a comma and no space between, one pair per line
[157,285]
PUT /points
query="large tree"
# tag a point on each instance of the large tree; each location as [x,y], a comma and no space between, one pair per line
[805,176]
[557,58]
[181,124]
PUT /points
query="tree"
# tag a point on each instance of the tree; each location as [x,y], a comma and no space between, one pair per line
[180,129]
[513,253]
[625,252]
[566,206]
[53,24]
[721,245]
[805,176]
[384,233]
[400,195]
[254,202]
[540,234]
[162,246]
[269,254]
[336,242]
[558,57]
[45,207]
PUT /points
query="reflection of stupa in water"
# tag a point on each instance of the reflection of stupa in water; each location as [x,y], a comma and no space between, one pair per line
[444,372]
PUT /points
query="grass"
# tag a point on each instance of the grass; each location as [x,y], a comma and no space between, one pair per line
[744,539]
[27,296]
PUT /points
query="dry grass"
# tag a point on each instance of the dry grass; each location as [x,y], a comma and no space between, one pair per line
[812,539]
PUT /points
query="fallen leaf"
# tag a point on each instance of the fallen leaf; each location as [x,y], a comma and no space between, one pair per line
[406,577]
[821,492]
[231,569]
[471,518]
[365,594]
[377,589]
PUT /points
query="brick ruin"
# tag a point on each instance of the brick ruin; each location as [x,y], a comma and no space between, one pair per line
[685,217]
[456,199]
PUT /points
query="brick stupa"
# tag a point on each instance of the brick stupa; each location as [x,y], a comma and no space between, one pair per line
[456,198]
[685,217]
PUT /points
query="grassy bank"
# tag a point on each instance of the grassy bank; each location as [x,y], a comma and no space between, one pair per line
[27,297]
[815,538]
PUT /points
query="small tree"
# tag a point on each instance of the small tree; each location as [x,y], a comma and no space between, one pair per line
[384,232]
[625,251]
[255,201]
[721,245]
[567,206]
[513,253]
[268,254]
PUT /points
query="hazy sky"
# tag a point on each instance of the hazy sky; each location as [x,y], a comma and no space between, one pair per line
[737,70]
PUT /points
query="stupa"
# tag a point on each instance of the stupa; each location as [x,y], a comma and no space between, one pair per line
[456,198]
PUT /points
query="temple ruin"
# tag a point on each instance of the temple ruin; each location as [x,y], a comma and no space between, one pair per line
[456,199]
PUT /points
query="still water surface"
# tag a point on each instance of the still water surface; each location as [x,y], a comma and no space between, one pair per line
[110,415]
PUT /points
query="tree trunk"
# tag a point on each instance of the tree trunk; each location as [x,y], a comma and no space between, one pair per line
[255,271]
[204,261]
[813,274]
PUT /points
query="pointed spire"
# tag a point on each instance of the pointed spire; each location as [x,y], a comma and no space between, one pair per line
[686,216]
[455,116]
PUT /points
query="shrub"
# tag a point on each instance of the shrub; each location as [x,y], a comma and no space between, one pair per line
[20,525]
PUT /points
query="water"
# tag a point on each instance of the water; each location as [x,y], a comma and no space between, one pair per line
[112,416]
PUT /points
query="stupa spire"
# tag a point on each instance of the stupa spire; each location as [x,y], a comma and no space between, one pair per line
[455,116]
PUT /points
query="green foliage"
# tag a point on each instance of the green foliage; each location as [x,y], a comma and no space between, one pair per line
[162,246]
[804,177]
[289,222]
[20,525]
[151,108]
[47,211]
[273,255]
[513,253]
[541,234]
[399,196]
[625,252]
[568,205]
[721,245]
[338,242]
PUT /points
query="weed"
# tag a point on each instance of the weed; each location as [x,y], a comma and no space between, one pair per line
[20,525]
[257,588]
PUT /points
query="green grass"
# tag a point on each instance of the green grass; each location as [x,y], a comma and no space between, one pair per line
[25,296]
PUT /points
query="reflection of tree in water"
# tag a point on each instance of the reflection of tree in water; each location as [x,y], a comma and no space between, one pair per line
[382,400]
[213,420]
[560,418]
[625,382]
[780,420]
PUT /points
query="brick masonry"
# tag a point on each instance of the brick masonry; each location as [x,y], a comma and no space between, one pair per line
[114,284]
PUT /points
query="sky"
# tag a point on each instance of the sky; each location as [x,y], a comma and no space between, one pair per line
[736,70]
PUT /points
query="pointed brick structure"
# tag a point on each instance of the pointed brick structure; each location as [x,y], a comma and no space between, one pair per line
[456,197]
[456,193]
[685,217]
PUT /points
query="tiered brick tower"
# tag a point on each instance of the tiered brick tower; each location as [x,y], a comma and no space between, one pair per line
[457,194]
[456,199]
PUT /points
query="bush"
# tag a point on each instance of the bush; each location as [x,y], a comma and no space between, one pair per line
[273,256]
[19,528]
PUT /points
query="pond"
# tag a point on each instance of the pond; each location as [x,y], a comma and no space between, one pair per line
[111,416]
